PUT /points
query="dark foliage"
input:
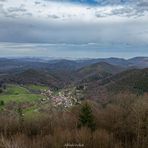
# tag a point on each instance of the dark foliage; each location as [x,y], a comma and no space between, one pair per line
[86,118]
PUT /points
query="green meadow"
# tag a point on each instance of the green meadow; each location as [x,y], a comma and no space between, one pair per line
[21,95]
[36,87]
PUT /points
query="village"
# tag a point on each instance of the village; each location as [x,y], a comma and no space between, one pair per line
[64,98]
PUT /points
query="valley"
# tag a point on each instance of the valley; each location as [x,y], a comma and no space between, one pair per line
[64,83]
[37,99]
[46,98]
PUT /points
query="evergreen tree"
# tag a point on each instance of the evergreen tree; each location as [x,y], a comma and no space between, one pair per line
[1,90]
[86,118]
[2,103]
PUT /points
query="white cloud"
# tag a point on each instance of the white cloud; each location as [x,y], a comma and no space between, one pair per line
[68,11]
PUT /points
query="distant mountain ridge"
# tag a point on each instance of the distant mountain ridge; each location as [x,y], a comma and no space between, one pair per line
[62,72]
[76,64]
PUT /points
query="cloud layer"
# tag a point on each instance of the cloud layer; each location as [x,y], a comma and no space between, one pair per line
[110,25]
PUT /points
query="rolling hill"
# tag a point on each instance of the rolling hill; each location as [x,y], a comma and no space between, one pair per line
[60,73]
[131,80]
[97,71]
[32,76]
[134,81]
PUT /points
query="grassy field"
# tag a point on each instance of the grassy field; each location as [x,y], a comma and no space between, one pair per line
[36,87]
[23,95]
[20,98]
[19,94]
[15,90]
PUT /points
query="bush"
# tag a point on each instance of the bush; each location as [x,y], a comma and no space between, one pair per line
[122,123]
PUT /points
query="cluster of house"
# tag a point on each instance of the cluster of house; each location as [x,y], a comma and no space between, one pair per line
[62,99]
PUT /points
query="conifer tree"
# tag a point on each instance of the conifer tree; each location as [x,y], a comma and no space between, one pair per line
[86,118]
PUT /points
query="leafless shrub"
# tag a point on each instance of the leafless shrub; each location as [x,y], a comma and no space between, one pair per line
[122,123]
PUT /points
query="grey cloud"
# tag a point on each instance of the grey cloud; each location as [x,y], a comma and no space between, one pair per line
[13,12]
[53,16]
[16,9]
[126,11]
[37,3]
[27,14]
[3,0]
[5,13]
[77,33]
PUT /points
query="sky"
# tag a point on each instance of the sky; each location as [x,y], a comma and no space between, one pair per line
[74,28]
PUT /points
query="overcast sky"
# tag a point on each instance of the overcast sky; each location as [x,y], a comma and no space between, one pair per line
[74,28]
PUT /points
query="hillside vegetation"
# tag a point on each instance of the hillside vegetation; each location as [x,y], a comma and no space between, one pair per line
[121,124]
[94,103]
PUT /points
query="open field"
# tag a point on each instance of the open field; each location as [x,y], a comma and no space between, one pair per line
[12,89]
[36,87]
[22,96]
